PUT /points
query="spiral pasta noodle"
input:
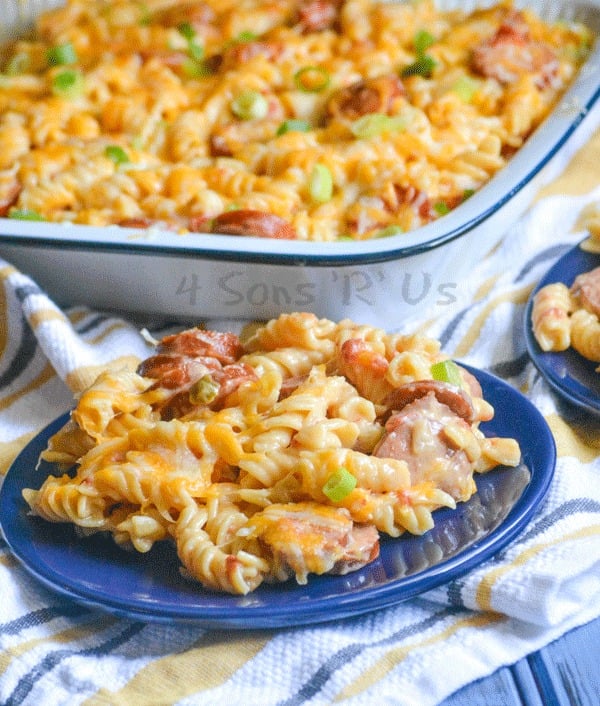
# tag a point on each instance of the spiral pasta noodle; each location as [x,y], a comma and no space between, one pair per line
[585,334]
[564,317]
[550,317]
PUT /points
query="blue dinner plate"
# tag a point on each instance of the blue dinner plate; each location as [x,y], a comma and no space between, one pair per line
[148,587]
[569,374]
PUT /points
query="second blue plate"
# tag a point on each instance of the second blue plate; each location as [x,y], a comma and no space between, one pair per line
[571,375]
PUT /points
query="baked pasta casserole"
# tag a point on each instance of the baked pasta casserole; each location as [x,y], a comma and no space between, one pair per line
[274,455]
[315,120]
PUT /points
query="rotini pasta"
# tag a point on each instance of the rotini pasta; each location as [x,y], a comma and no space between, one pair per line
[585,334]
[550,317]
[306,119]
[259,472]
[564,317]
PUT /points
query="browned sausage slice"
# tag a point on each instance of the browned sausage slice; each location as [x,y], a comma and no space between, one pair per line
[373,95]
[250,222]
[586,288]
[9,199]
[453,397]
[197,14]
[317,15]
[172,370]
[511,53]
[243,52]
[417,435]
[361,548]
[196,342]
[308,537]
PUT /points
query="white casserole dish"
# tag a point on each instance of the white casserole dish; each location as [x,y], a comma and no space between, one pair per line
[383,280]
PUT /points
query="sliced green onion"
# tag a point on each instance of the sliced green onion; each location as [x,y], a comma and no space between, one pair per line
[389,231]
[441,208]
[186,30]
[446,371]
[465,88]
[145,15]
[320,185]
[61,55]
[116,154]
[17,64]
[195,69]
[312,79]
[293,125]
[422,41]
[246,36]
[374,124]
[68,84]
[467,193]
[422,66]
[250,105]
[195,50]
[339,485]
[203,391]
[24,214]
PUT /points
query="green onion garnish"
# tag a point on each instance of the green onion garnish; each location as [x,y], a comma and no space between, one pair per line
[186,30]
[24,214]
[312,79]
[203,391]
[293,125]
[250,105]
[465,88]
[62,55]
[374,124]
[68,84]
[195,50]
[422,66]
[441,208]
[195,69]
[389,231]
[446,371]
[422,41]
[467,193]
[320,185]
[116,154]
[339,485]
[145,16]
[246,36]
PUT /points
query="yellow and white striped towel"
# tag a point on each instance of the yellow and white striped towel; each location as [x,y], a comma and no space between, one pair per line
[416,653]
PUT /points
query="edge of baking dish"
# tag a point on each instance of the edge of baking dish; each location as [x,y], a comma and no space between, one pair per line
[541,147]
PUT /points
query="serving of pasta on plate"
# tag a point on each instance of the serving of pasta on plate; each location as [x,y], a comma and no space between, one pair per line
[313,120]
[565,315]
[274,455]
